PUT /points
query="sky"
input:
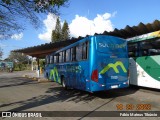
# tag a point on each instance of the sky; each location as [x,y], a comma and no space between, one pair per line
[86,17]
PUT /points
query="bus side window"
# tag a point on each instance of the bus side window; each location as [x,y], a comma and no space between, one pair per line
[60,56]
[73,54]
[154,51]
[131,54]
[51,59]
[48,59]
[64,56]
[55,59]
[85,50]
[79,53]
[68,55]
[144,53]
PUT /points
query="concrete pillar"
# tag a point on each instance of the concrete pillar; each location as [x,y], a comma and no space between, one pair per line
[32,63]
[38,68]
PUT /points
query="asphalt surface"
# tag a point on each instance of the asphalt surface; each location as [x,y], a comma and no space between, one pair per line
[24,94]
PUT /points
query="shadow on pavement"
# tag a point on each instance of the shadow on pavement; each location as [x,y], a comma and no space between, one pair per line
[15,81]
[61,95]
[146,89]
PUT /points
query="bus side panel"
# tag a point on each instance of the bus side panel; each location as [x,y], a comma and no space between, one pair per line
[82,76]
[48,68]
[76,74]
[52,73]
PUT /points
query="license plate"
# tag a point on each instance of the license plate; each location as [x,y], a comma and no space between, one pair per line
[114,86]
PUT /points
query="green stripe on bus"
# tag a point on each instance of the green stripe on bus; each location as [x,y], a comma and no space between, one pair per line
[151,65]
[114,66]
[54,74]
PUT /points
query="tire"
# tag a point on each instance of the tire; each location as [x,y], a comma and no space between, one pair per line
[47,76]
[63,82]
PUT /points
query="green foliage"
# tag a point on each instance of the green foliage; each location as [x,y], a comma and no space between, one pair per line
[65,31]
[42,6]
[15,13]
[53,36]
[48,5]
[56,34]
[20,61]
[20,67]
[42,63]
[18,58]
[60,34]
[58,26]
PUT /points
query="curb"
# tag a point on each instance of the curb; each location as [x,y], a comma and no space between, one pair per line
[40,80]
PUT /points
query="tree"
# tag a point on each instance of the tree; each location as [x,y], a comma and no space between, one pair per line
[65,31]
[56,34]
[14,13]
[18,57]
[20,60]
[60,34]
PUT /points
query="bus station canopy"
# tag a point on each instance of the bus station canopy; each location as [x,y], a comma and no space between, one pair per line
[42,50]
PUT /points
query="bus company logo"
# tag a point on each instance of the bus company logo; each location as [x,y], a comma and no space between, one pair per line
[114,66]
[54,74]
[115,46]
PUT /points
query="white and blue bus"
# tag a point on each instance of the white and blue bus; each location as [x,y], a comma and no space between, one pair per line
[95,63]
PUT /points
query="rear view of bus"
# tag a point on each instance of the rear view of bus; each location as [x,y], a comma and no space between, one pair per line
[109,63]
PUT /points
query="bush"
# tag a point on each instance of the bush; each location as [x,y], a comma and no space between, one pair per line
[20,67]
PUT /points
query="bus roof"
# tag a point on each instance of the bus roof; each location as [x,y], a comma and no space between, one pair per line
[145,36]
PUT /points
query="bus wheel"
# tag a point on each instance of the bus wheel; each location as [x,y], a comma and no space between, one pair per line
[63,82]
[47,76]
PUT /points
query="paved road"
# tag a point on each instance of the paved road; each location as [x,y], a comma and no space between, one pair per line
[22,94]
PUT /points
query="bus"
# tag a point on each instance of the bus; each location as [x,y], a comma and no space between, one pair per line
[144,60]
[95,63]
